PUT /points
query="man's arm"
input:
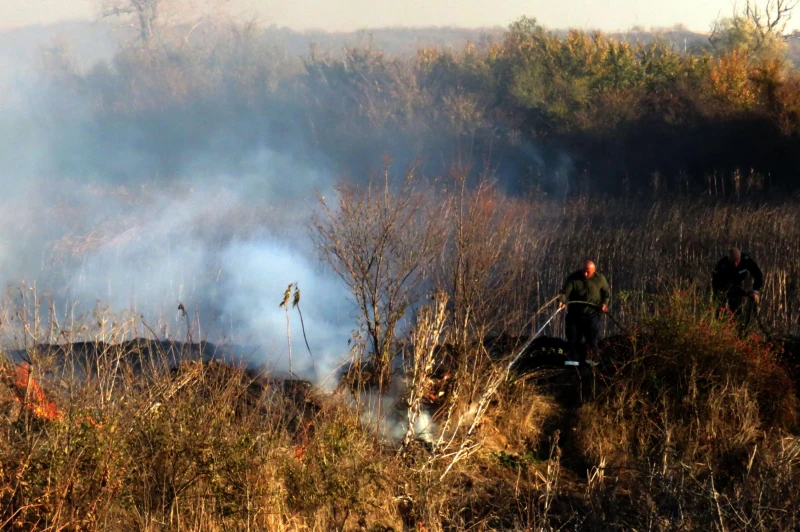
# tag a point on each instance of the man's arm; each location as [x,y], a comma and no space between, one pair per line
[566,290]
[755,271]
[605,292]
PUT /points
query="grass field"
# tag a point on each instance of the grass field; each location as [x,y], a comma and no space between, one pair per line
[685,424]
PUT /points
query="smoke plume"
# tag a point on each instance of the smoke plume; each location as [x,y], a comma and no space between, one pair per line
[223,240]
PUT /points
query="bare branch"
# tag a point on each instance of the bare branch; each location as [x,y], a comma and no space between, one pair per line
[772,17]
[381,243]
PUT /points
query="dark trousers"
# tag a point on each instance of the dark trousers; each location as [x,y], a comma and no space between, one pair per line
[740,305]
[582,327]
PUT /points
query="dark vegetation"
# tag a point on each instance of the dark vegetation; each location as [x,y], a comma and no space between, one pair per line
[559,113]
[659,159]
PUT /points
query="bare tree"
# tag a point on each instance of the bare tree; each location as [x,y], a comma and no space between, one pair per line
[144,13]
[382,243]
[147,16]
[757,30]
[485,269]
[483,265]
[772,17]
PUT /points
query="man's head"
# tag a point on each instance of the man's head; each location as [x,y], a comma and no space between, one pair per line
[734,256]
[588,269]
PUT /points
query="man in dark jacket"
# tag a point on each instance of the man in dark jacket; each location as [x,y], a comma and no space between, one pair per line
[583,320]
[728,278]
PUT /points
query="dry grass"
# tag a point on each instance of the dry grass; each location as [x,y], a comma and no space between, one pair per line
[688,425]
[191,445]
[691,413]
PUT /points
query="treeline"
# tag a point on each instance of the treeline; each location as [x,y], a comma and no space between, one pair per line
[581,112]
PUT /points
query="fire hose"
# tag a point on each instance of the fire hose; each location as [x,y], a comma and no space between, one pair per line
[533,337]
[598,307]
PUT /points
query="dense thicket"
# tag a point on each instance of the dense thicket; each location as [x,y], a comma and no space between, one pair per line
[575,112]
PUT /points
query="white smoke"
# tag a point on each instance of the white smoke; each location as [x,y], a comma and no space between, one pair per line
[223,243]
[387,413]
[259,273]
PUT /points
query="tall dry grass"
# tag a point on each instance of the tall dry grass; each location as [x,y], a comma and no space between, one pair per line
[694,432]
[152,435]
[649,248]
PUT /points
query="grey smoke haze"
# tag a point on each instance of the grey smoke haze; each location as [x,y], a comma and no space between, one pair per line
[346,15]
[223,243]
[141,189]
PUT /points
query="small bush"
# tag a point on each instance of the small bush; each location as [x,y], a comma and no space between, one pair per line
[695,411]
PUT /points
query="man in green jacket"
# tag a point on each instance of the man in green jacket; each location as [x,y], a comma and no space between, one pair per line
[583,320]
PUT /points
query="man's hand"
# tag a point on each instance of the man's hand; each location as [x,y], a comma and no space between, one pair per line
[755,296]
[562,305]
[604,307]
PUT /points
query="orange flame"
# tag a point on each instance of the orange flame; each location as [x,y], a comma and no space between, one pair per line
[299,452]
[30,394]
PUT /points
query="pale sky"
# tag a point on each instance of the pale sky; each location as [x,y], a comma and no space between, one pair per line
[360,14]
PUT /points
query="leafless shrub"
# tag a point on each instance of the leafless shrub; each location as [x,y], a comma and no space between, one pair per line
[381,242]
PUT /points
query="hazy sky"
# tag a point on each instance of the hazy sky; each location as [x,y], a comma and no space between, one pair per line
[359,14]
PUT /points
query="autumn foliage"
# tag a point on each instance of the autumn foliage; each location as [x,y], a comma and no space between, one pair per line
[575,112]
